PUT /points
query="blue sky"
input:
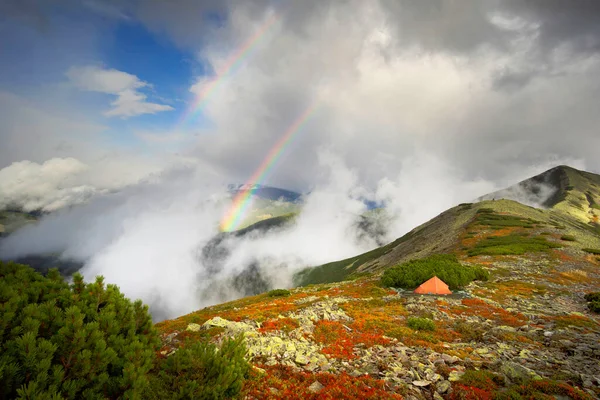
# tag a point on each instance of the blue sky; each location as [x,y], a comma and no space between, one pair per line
[35,62]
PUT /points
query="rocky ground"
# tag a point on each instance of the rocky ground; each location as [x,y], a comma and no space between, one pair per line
[359,329]
[527,331]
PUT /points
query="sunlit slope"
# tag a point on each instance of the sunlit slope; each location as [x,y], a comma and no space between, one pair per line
[562,188]
[573,213]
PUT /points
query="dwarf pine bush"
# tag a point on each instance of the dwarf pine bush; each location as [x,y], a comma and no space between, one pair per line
[278,293]
[445,266]
[201,370]
[70,341]
[88,341]
[593,300]
[420,324]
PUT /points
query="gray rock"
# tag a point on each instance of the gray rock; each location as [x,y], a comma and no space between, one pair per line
[193,328]
[421,383]
[454,376]
[316,387]
[517,373]
[443,387]
[301,360]
[450,359]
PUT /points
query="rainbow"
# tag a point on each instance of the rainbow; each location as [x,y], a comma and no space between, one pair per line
[243,199]
[233,61]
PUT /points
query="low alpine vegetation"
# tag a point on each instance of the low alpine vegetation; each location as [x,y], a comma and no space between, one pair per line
[445,266]
[568,238]
[593,300]
[591,251]
[514,244]
[487,217]
[278,293]
[420,324]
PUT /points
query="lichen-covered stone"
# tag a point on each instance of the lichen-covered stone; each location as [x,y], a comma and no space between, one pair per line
[193,328]
[517,373]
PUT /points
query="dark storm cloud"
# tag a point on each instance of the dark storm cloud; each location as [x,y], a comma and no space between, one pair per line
[573,23]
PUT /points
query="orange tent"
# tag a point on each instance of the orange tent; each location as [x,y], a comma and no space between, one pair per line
[433,286]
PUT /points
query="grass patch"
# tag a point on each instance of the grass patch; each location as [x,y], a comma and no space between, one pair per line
[445,266]
[487,217]
[574,320]
[278,293]
[568,238]
[469,331]
[357,275]
[591,251]
[540,389]
[420,324]
[337,271]
[481,379]
[511,245]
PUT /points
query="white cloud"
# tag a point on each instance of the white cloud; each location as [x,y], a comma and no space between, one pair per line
[129,102]
[48,186]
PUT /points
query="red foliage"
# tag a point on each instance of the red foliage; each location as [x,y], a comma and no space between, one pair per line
[282,382]
[463,392]
[340,343]
[279,324]
[552,387]
[488,311]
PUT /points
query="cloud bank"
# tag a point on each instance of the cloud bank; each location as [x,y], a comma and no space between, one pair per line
[420,106]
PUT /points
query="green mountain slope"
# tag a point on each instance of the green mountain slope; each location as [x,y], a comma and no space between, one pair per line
[571,195]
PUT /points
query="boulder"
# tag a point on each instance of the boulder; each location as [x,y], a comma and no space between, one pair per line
[316,387]
[443,387]
[517,373]
[193,328]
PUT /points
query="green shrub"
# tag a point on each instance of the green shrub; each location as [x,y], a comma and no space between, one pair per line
[79,340]
[592,251]
[420,324]
[594,296]
[594,306]
[201,371]
[511,245]
[593,300]
[278,293]
[445,266]
[568,238]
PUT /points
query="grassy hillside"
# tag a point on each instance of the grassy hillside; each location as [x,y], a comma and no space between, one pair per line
[573,214]
[10,221]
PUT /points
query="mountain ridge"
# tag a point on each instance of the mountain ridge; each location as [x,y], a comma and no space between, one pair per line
[572,204]
[529,331]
